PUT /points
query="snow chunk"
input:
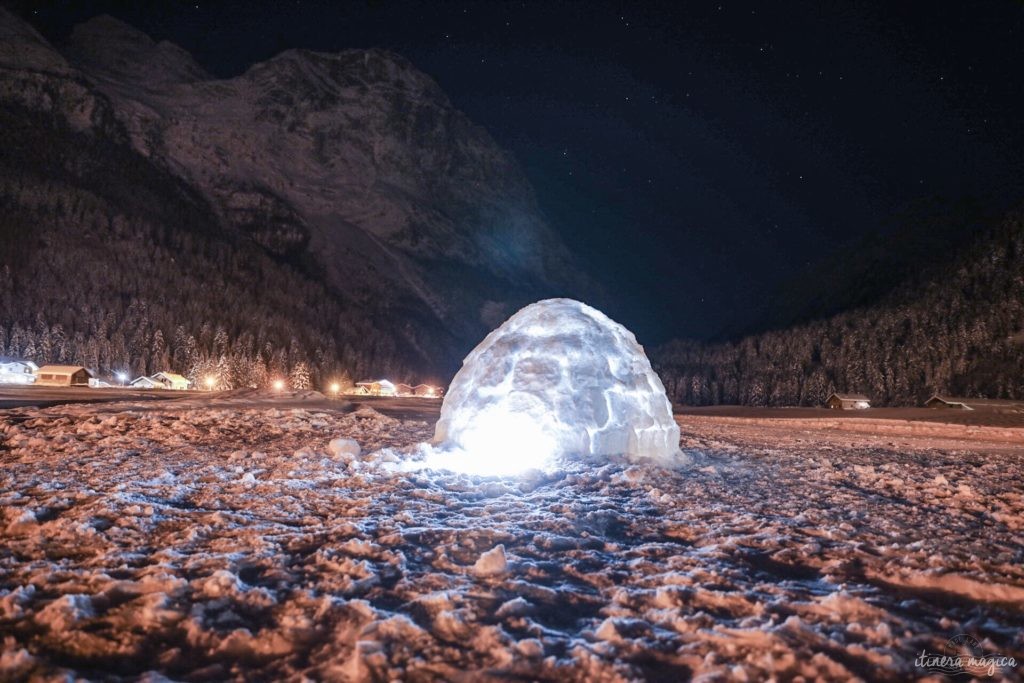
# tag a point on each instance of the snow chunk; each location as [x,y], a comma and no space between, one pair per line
[66,610]
[14,663]
[558,379]
[531,648]
[344,449]
[492,563]
[220,583]
[516,607]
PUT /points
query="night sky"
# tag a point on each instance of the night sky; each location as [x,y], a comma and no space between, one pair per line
[693,154]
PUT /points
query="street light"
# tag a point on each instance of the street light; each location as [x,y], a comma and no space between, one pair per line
[122,378]
[335,388]
[209,381]
[278,384]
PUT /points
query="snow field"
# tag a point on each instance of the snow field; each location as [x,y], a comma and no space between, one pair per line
[234,544]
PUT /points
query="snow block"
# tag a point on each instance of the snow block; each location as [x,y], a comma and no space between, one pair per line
[344,449]
[492,563]
[558,379]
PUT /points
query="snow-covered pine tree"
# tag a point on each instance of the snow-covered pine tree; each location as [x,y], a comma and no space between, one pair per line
[299,378]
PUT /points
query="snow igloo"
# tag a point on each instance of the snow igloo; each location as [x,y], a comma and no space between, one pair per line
[558,379]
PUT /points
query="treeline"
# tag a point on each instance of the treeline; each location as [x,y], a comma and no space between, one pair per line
[110,262]
[957,328]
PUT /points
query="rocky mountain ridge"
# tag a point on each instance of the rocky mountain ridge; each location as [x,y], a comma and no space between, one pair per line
[351,169]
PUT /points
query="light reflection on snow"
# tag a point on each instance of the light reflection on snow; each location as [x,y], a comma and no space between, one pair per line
[498,443]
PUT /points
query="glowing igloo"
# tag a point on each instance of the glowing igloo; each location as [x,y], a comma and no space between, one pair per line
[557,379]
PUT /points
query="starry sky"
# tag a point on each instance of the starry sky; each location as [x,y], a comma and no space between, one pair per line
[695,155]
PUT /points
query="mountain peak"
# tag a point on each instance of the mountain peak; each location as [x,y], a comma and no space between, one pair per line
[111,47]
[352,67]
[21,46]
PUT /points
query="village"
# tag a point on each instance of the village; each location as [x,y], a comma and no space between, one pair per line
[27,373]
[18,372]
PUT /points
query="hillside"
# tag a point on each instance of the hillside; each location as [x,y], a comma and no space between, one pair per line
[956,326]
[861,272]
[332,211]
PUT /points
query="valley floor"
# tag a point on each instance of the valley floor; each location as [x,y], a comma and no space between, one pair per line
[220,540]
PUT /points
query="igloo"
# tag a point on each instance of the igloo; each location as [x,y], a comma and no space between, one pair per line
[557,379]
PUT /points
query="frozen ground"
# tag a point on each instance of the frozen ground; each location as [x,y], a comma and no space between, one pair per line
[239,542]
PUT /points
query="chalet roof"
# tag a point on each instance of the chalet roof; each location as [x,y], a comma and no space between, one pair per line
[173,377]
[371,382]
[977,402]
[850,397]
[18,361]
[426,386]
[946,399]
[62,369]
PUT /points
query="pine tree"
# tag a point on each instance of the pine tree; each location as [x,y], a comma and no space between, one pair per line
[299,378]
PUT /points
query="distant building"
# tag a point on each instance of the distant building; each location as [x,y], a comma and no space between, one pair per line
[169,380]
[954,403]
[357,391]
[947,402]
[144,383]
[63,376]
[427,391]
[403,389]
[848,402]
[18,372]
[378,387]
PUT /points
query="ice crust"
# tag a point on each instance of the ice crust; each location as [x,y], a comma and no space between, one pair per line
[562,379]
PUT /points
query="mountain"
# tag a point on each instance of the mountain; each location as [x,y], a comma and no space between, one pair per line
[862,271]
[953,324]
[394,230]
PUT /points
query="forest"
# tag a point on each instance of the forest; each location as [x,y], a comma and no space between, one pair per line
[954,327]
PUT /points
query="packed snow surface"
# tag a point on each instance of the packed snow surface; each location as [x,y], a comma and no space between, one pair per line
[558,379]
[235,543]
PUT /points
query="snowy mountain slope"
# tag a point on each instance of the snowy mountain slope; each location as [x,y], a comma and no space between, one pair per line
[112,261]
[351,170]
[355,157]
[34,75]
[954,325]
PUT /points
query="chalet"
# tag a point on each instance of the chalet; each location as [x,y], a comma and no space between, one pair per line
[848,402]
[378,387]
[18,372]
[953,403]
[169,380]
[427,391]
[144,383]
[357,391]
[947,402]
[403,389]
[63,376]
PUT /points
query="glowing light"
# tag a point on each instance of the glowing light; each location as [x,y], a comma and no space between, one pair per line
[501,443]
[122,377]
[335,388]
[278,385]
[210,382]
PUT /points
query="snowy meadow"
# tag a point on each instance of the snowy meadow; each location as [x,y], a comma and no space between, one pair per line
[232,542]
